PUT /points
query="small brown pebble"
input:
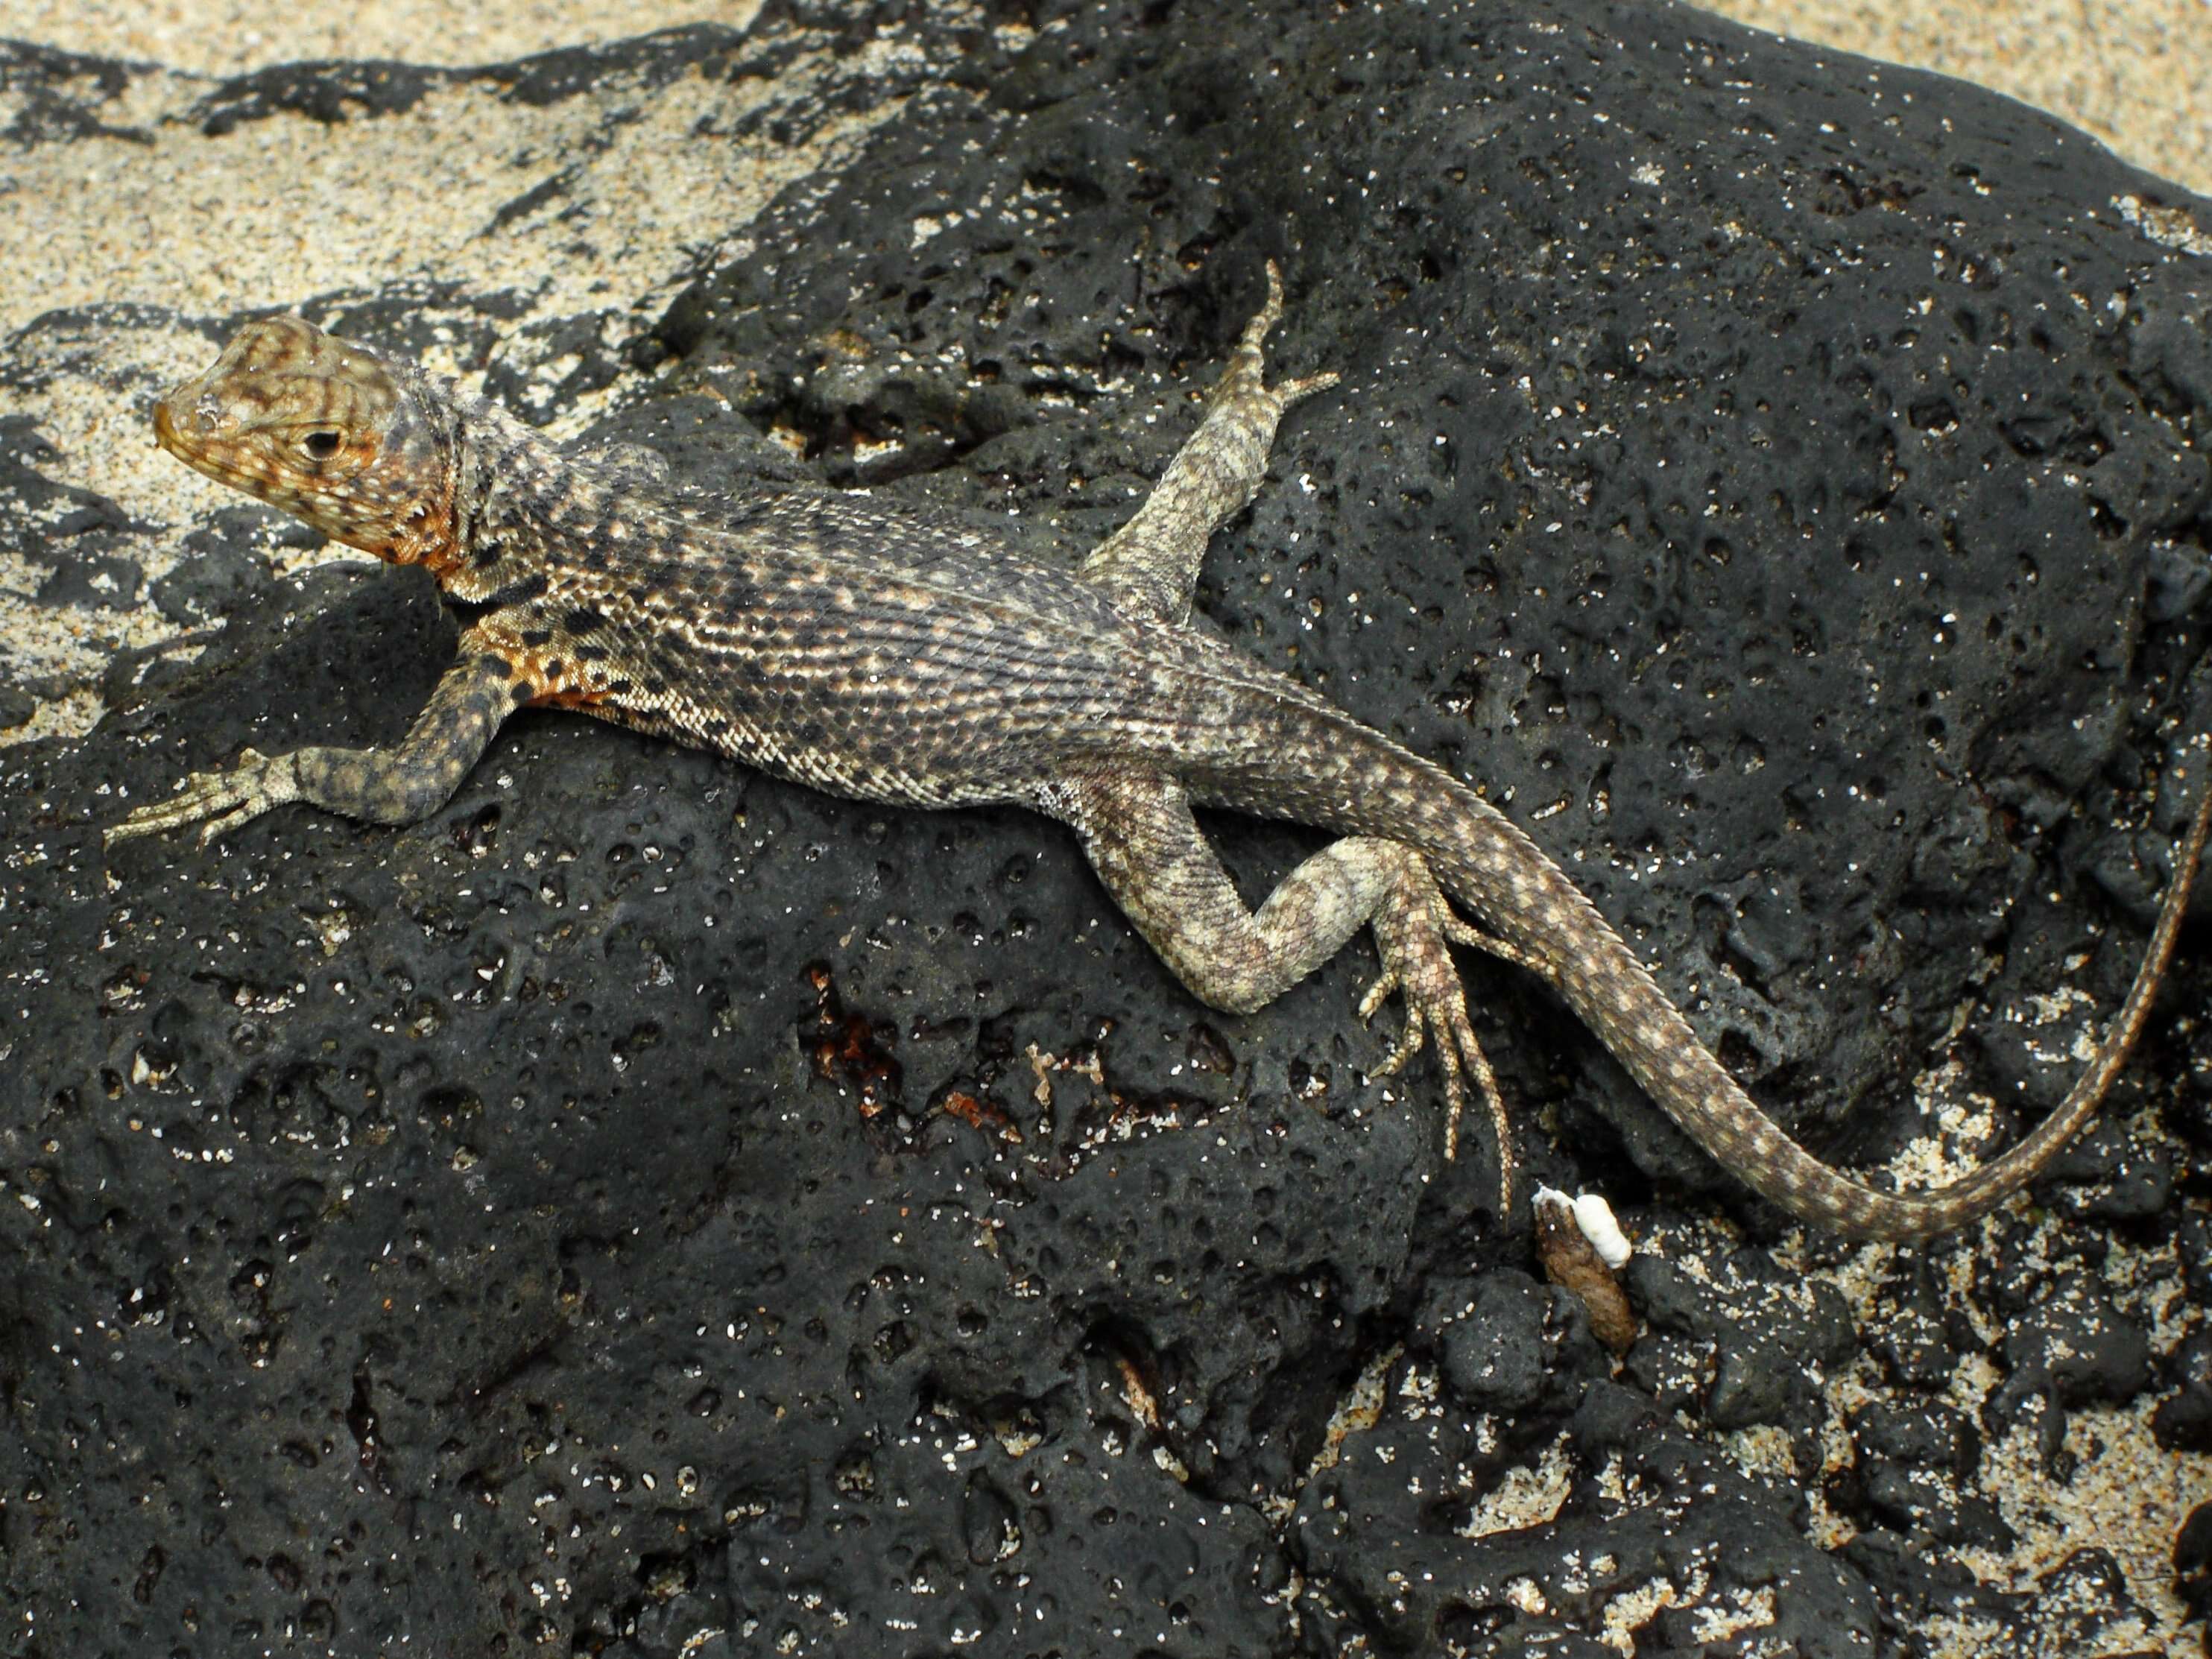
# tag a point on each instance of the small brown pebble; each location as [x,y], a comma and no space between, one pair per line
[1572,1262]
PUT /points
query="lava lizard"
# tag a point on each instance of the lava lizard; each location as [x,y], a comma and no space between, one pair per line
[898,655]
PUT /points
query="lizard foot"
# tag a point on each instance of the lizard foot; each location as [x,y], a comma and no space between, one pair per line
[1244,378]
[1414,930]
[224,799]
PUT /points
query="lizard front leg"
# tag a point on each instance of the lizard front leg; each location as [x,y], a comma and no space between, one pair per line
[1147,849]
[395,785]
[1151,563]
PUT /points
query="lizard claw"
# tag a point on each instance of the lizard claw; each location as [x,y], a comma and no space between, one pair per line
[1414,930]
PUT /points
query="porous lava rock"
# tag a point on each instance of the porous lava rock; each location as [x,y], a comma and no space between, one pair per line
[645,1208]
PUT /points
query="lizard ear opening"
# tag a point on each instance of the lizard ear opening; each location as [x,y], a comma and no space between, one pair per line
[322,445]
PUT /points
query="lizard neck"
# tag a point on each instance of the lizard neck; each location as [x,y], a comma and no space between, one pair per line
[513,494]
[425,451]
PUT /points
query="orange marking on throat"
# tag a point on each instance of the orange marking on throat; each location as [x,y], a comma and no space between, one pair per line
[429,542]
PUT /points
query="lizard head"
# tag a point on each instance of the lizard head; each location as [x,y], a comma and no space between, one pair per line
[332,432]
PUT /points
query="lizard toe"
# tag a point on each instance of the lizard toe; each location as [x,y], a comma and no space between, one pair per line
[1268,315]
[182,807]
[1378,995]
[1411,1041]
[227,817]
[1289,392]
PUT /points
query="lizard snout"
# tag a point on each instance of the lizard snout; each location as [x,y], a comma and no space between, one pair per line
[185,423]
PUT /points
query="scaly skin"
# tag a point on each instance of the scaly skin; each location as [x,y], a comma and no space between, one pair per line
[896,655]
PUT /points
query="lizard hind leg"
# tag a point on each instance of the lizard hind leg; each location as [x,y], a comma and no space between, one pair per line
[1150,565]
[1414,930]
[1149,852]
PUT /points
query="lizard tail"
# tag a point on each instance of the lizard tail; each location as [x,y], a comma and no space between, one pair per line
[1365,784]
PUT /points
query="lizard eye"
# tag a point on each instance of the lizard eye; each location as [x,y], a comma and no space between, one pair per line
[321,445]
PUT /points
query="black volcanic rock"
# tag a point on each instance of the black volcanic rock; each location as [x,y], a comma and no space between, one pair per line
[646,1200]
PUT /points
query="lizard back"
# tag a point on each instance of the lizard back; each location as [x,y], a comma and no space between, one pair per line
[884,652]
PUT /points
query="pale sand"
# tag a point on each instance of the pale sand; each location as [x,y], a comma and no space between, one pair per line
[228,37]
[2137,74]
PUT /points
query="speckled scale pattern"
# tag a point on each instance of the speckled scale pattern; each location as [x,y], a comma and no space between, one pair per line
[908,657]
[706,624]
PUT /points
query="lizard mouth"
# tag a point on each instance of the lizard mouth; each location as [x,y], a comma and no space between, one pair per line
[165,428]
